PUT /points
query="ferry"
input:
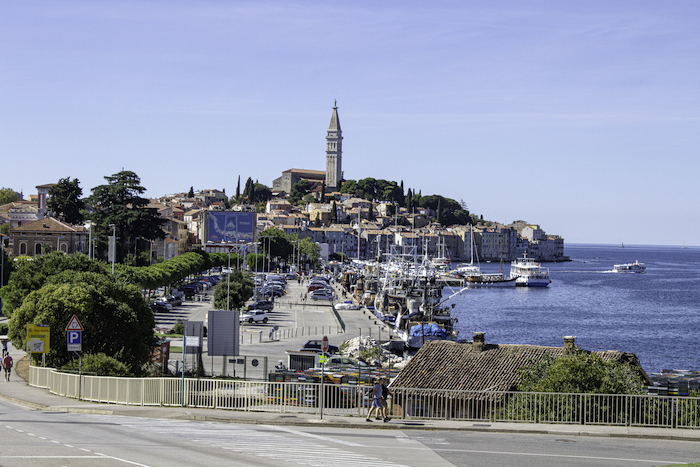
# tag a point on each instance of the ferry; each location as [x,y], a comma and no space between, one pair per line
[528,273]
[630,267]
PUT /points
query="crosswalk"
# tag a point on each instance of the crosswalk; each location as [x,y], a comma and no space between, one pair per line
[261,443]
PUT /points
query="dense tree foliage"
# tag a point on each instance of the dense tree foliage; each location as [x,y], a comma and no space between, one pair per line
[234,291]
[119,202]
[32,275]
[581,372]
[7,195]
[64,200]
[449,211]
[117,320]
[299,190]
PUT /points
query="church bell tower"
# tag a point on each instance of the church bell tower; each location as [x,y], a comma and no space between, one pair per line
[334,151]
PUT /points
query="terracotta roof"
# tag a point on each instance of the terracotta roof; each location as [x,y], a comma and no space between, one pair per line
[48,224]
[460,366]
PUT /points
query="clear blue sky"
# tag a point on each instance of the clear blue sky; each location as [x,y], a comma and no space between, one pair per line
[580,116]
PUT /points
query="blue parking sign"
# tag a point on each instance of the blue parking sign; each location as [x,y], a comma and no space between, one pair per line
[75,339]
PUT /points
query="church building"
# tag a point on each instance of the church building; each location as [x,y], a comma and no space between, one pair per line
[332,176]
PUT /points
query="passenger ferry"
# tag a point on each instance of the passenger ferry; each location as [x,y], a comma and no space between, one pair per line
[630,267]
[528,273]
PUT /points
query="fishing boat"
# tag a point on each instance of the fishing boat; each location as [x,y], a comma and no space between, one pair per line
[528,273]
[636,267]
[489,280]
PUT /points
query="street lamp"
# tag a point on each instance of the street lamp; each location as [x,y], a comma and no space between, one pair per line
[136,243]
[114,244]
[2,262]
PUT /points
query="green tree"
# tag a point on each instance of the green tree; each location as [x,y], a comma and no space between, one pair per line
[235,289]
[7,195]
[579,371]
[119,202]
[334,213]
[261,193]
[32,275]
[279,245]
[8,265]
[64,200]
[309,249]
[117,321]
[299,190]
[238,189]
[190,194]
[349,186]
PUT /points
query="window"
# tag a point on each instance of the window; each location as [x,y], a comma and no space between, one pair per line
[23,248]
[37,249]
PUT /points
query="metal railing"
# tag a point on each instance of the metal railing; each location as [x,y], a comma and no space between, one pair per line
[307,395]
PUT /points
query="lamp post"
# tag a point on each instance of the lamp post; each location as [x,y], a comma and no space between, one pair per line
[228,281]
[136,243]
[2,262]
[114,244]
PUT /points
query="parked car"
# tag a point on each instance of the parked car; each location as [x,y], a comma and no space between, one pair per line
[160,307]
[322,294]
[174,300]
[315,345]
[266,305]
[254,316]
[344,362]
[318,286]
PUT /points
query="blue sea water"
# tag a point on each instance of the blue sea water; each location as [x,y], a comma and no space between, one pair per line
[655,315]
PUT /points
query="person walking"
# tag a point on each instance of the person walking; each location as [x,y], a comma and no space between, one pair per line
[385,399]
[376,400]
[7,365]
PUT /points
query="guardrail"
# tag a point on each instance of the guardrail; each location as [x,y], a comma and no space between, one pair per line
[304,396]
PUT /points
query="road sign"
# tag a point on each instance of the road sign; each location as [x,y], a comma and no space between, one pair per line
[324,344]
[74,324]
[75,341]
[322,359]
[38,338]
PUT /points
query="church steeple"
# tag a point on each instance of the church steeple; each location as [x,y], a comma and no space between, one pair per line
[334,151]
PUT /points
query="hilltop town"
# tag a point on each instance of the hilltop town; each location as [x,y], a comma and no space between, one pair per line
[360,219]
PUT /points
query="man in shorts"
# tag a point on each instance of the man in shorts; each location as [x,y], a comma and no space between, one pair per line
[7,365]
[376,402]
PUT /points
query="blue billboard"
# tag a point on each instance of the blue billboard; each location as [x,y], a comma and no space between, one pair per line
[231,226]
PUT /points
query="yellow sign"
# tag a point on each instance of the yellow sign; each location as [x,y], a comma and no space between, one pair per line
[323,359]
[38,338]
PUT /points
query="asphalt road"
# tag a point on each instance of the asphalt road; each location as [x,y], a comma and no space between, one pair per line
[296,321]
[40,438]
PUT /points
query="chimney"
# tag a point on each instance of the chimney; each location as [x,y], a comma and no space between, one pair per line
[569,341]
[479,341]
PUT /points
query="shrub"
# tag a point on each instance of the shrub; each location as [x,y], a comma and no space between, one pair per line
[101,365]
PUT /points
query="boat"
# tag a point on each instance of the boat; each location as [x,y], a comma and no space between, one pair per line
[529,273]
[630,267]
[489,280]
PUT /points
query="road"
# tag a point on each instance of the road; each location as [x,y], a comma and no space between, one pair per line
[38,438]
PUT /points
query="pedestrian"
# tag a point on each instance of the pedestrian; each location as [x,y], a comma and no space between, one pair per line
[7,365]
[385,399]
[376,402]
[4,348]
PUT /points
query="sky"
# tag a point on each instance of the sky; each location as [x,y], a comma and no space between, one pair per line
[581,117]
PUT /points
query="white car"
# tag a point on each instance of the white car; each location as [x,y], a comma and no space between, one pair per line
[254,316]
[322,294]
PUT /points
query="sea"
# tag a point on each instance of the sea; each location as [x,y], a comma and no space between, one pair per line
[655,315]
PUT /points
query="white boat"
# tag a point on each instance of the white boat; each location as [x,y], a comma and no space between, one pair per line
[489,280]
[529,273]
[630,267]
